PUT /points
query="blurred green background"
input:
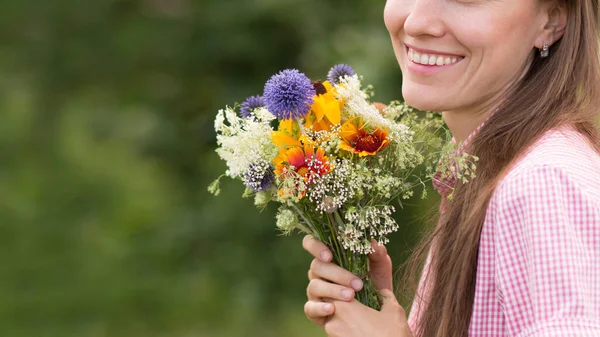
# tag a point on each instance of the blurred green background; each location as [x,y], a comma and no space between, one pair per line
[107,147]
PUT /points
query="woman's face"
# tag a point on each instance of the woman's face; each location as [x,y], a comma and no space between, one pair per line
[461,54]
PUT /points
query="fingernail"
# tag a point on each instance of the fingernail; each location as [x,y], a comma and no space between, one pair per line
[357,284]
[328,307]
[347,293]
[325,255]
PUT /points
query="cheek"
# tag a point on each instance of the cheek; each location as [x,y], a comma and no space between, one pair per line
[507,33]
[394,16]
[498,46]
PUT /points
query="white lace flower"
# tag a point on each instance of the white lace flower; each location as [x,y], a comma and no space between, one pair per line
[244,142]
[286,220]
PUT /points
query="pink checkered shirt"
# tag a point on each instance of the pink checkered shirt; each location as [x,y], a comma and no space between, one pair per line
[538,268]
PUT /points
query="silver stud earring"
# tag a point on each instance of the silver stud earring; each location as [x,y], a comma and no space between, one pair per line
[545,51]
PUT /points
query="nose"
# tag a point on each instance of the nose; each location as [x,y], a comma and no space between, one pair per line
[425,18]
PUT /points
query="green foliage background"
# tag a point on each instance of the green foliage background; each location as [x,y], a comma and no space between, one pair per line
[107,146]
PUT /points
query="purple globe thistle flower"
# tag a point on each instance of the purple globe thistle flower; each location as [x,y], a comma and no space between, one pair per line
[337,71]
[289,94]
[258,178]
[251,103]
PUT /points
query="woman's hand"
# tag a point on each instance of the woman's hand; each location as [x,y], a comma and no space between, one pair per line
[353,319]
[331,302]
[330,282]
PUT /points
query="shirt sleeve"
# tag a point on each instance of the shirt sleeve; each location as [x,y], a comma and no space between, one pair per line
[547,239]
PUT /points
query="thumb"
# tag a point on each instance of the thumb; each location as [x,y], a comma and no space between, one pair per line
[388,298]
[390,303]
[380,267]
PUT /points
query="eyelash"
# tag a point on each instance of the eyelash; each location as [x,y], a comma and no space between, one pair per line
[467,2]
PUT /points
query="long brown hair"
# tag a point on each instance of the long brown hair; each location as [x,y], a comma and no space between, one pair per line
[562,89]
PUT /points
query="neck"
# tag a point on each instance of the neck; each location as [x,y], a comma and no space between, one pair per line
[463,122]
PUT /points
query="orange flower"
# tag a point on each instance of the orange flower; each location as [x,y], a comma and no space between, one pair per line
[305,162]
[302,162]
[357,140]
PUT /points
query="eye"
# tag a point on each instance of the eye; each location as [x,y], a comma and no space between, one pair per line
[468,2]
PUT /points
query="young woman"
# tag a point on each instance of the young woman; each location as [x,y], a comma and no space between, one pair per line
[516,251]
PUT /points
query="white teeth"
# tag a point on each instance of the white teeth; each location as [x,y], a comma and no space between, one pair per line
[430,59]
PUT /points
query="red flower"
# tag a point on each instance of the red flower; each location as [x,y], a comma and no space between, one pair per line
[356,139]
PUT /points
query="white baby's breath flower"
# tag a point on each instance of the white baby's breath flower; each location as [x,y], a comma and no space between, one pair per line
[333,190]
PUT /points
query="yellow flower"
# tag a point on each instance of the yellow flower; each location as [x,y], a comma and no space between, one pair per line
[283,140]
[289,126]
[326,110]
[357,140]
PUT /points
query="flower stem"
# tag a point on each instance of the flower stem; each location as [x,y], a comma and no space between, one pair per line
[358,264]
[308,223]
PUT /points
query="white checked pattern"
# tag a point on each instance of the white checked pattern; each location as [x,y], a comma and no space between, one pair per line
[538,269]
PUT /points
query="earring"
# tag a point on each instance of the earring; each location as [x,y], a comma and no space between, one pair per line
[545,51]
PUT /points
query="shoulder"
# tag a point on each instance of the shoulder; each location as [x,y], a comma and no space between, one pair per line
[561,162]
[555,184]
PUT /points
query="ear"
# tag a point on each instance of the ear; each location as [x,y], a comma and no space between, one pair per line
[554,23]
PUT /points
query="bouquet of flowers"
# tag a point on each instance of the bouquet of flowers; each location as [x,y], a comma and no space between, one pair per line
[333,160]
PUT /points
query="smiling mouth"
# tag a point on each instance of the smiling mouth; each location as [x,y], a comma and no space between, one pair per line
[431,59]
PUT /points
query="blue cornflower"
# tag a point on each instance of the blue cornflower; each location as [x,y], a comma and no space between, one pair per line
[338,71]
[251,103]
[259,177]
[289,94]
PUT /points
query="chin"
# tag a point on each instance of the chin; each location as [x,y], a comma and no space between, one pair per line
[416,98]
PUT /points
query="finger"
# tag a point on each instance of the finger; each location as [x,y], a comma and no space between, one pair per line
[390,303]
[318,311]
[318,289]
[380,267]
[311,275]
[316,248]
[335,274]
[379,251]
